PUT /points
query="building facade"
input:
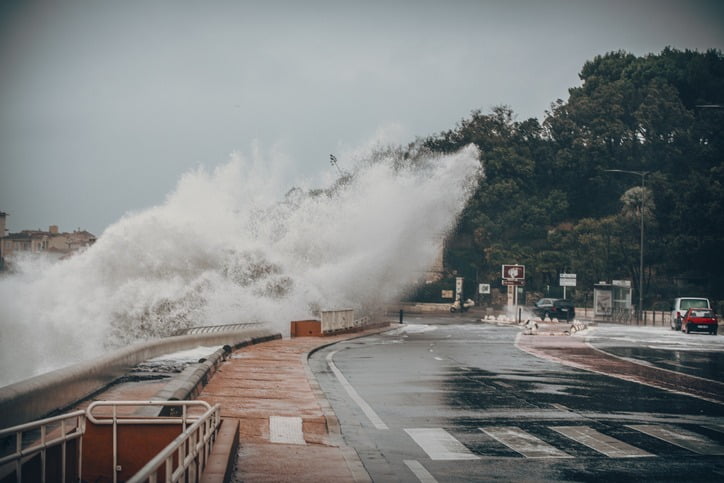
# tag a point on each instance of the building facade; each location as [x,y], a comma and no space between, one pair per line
[51,242]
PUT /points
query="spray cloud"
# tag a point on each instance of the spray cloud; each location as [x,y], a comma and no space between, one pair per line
[233,245]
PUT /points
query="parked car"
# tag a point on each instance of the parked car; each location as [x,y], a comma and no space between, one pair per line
[560,309]
[682,304]
[697,319]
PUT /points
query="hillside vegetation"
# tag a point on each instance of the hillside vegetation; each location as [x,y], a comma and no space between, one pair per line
[548,202]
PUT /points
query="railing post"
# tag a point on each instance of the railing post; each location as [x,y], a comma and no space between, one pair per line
[19,461]
[62,451]
[115,447]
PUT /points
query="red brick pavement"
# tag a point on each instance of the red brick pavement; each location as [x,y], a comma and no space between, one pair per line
[273,379]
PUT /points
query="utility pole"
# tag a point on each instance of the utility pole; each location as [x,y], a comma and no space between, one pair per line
[641,251]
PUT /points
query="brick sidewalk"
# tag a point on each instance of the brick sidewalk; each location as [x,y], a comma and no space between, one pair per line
[288,431]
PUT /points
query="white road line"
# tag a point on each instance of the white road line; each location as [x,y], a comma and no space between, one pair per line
[420,472]
[369,412]
[600,442]
[561,407]
[697,443]
[715,427]
[523,443]
[286,430]
[439,444]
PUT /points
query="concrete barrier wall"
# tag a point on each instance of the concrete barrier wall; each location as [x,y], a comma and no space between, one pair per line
[418,308]
[337,320]
[36,397]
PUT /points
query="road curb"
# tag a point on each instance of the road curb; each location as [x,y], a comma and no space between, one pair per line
[352,459]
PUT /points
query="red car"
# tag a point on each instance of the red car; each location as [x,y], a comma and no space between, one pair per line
[699,319]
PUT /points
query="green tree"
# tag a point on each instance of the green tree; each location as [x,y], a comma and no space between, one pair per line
[547,201]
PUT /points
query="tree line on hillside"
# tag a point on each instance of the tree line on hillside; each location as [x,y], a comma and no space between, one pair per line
[549,202]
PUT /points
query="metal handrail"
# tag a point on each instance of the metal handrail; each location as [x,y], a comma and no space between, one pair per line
[114,419]
[193,445]
[74,431]
[192,449]
[209,421]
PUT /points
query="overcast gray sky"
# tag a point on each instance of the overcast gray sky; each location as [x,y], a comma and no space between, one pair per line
[105,104]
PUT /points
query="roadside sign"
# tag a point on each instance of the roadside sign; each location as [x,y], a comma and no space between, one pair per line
[484,288]
[513,272]
[567,279]
[458,288]
[509,282]
[447,294]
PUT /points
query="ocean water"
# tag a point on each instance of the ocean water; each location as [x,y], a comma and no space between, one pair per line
[235,244]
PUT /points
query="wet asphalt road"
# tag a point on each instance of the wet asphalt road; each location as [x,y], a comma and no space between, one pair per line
[447,399]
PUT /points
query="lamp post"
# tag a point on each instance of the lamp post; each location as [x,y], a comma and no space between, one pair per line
[641,243]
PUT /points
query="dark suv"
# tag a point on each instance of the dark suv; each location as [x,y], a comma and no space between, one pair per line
[560,309]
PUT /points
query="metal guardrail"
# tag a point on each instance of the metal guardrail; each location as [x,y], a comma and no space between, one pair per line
[55,431]
[192,446]
[211,329]
[190,450]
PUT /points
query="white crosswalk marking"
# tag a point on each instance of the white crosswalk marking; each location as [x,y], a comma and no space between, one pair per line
[439,444]
[600,442]
[420,472]
[697,443]
[523,443]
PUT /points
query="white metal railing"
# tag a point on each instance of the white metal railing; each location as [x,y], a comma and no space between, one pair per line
[336,320]
[55,431]
[192,446]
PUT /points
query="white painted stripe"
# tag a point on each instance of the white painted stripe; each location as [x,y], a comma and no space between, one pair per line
[600,442]
[286,430]
[715,427]
[369,412]
[439,444]
[420,472]
[698,443]
[523,443]
[561,407]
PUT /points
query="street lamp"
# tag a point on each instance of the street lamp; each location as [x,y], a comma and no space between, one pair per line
[641,252]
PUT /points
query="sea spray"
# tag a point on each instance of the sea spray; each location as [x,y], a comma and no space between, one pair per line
[234,245]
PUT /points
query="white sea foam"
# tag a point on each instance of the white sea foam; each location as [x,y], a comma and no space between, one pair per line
[235,245]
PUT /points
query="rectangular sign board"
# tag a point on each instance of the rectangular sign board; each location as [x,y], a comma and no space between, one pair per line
[513,272]
[508,282]
[567,279]
[447,294]
[484,288]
